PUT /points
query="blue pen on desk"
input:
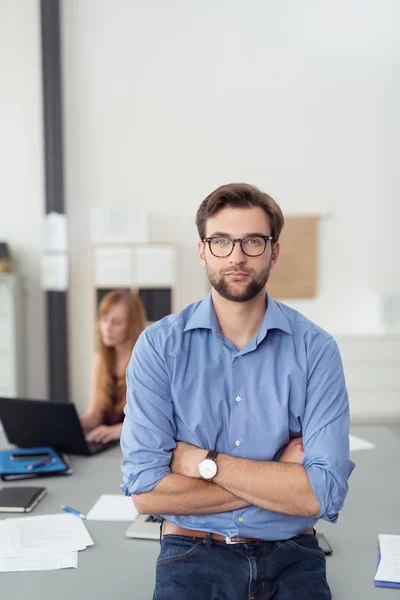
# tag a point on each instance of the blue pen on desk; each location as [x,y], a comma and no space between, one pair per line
[40,463]
[73,511]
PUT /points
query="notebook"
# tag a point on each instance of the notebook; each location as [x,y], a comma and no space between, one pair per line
[20,499]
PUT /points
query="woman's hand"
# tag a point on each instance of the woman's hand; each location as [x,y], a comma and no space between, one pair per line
[104,434]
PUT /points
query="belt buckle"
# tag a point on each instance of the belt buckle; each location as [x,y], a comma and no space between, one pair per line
[229,541]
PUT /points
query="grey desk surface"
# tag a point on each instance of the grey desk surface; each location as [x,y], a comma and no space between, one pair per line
[118,567]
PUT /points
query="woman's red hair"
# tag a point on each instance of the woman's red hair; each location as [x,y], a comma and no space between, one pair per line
[112,392]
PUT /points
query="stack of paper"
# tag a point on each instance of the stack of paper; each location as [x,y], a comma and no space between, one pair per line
[113,507]
[388,572]
[42,543]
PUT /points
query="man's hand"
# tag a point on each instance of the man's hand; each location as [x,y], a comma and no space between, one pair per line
[185,459]
[294,452]
[104,434]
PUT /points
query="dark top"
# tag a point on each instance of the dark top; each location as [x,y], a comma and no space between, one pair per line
[112,416]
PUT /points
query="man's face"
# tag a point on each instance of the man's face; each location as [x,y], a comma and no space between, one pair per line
[238,277]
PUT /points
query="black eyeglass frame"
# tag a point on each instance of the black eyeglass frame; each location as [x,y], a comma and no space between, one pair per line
[266,239]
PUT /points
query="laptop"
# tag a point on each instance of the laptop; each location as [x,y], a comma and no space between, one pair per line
[31,423]
[147,527]
[144,527]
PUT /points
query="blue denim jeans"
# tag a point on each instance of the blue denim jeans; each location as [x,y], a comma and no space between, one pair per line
[204,569]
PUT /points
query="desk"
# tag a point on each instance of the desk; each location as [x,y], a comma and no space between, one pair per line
[117,567]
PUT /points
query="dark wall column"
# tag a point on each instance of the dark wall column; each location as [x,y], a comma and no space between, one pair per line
[57,337]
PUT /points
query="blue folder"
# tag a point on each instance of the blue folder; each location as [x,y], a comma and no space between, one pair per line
[20,469]
[385,584]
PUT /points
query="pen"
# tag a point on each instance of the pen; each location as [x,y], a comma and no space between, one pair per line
[40,463]
[73,511]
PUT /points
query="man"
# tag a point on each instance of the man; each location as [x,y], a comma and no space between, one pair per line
[237,423]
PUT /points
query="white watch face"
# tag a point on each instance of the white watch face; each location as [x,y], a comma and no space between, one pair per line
[207,468]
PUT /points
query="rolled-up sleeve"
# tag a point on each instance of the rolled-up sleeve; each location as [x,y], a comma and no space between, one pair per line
[148,431]
[326,431]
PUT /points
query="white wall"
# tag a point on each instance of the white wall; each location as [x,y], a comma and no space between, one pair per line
[167,100]
[164,101]
[21,172]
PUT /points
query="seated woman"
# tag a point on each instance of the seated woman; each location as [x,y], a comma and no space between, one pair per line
[120,320]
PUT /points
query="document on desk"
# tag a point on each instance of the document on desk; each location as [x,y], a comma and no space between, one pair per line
[113,507]
[45,535]
[357,443]
[389,566]
[65,560]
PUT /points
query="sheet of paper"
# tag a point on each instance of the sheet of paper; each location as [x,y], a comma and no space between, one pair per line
[112,507]
[118,225]
[65,560]
[47,534]
[54,272]
[389,567]
[5,542]
[357,443]
[55,232]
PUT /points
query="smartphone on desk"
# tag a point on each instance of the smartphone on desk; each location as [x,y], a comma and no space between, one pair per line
[324,544]
[21,456]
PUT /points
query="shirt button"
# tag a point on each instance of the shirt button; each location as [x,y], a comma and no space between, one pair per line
[240,356]
[237,443]
[238,398]
[240,519]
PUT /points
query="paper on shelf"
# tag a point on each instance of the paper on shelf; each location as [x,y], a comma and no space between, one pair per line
[113,507]
[54,272]
[55,232]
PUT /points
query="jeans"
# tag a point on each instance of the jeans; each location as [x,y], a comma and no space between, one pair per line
[204,569]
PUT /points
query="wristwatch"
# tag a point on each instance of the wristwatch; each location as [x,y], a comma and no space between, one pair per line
[208,467]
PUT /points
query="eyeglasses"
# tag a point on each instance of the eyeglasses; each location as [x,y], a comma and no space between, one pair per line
[251,245]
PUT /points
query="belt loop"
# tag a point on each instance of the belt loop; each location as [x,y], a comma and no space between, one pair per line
[208,542]
[161,529]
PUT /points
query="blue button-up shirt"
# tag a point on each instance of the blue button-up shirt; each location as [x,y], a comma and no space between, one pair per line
[187,382]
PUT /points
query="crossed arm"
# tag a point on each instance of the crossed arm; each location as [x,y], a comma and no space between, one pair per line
[312,482]
[276,486]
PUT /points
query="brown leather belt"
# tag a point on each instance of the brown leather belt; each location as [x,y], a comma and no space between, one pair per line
[172,529]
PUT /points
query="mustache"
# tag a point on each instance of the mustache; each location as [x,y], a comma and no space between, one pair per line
[236,270]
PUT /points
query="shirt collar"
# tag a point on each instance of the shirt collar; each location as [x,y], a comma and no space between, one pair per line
[204,318]
[274,319]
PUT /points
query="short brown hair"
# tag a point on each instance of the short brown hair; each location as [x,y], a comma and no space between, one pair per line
[239,195]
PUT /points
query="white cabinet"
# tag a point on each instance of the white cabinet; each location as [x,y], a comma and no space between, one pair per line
[11,357]
[372,369]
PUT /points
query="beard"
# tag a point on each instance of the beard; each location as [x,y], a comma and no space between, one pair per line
[249,291]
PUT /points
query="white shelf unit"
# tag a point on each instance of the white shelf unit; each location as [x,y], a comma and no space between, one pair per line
[372,370]
[149,267]
[11,346]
